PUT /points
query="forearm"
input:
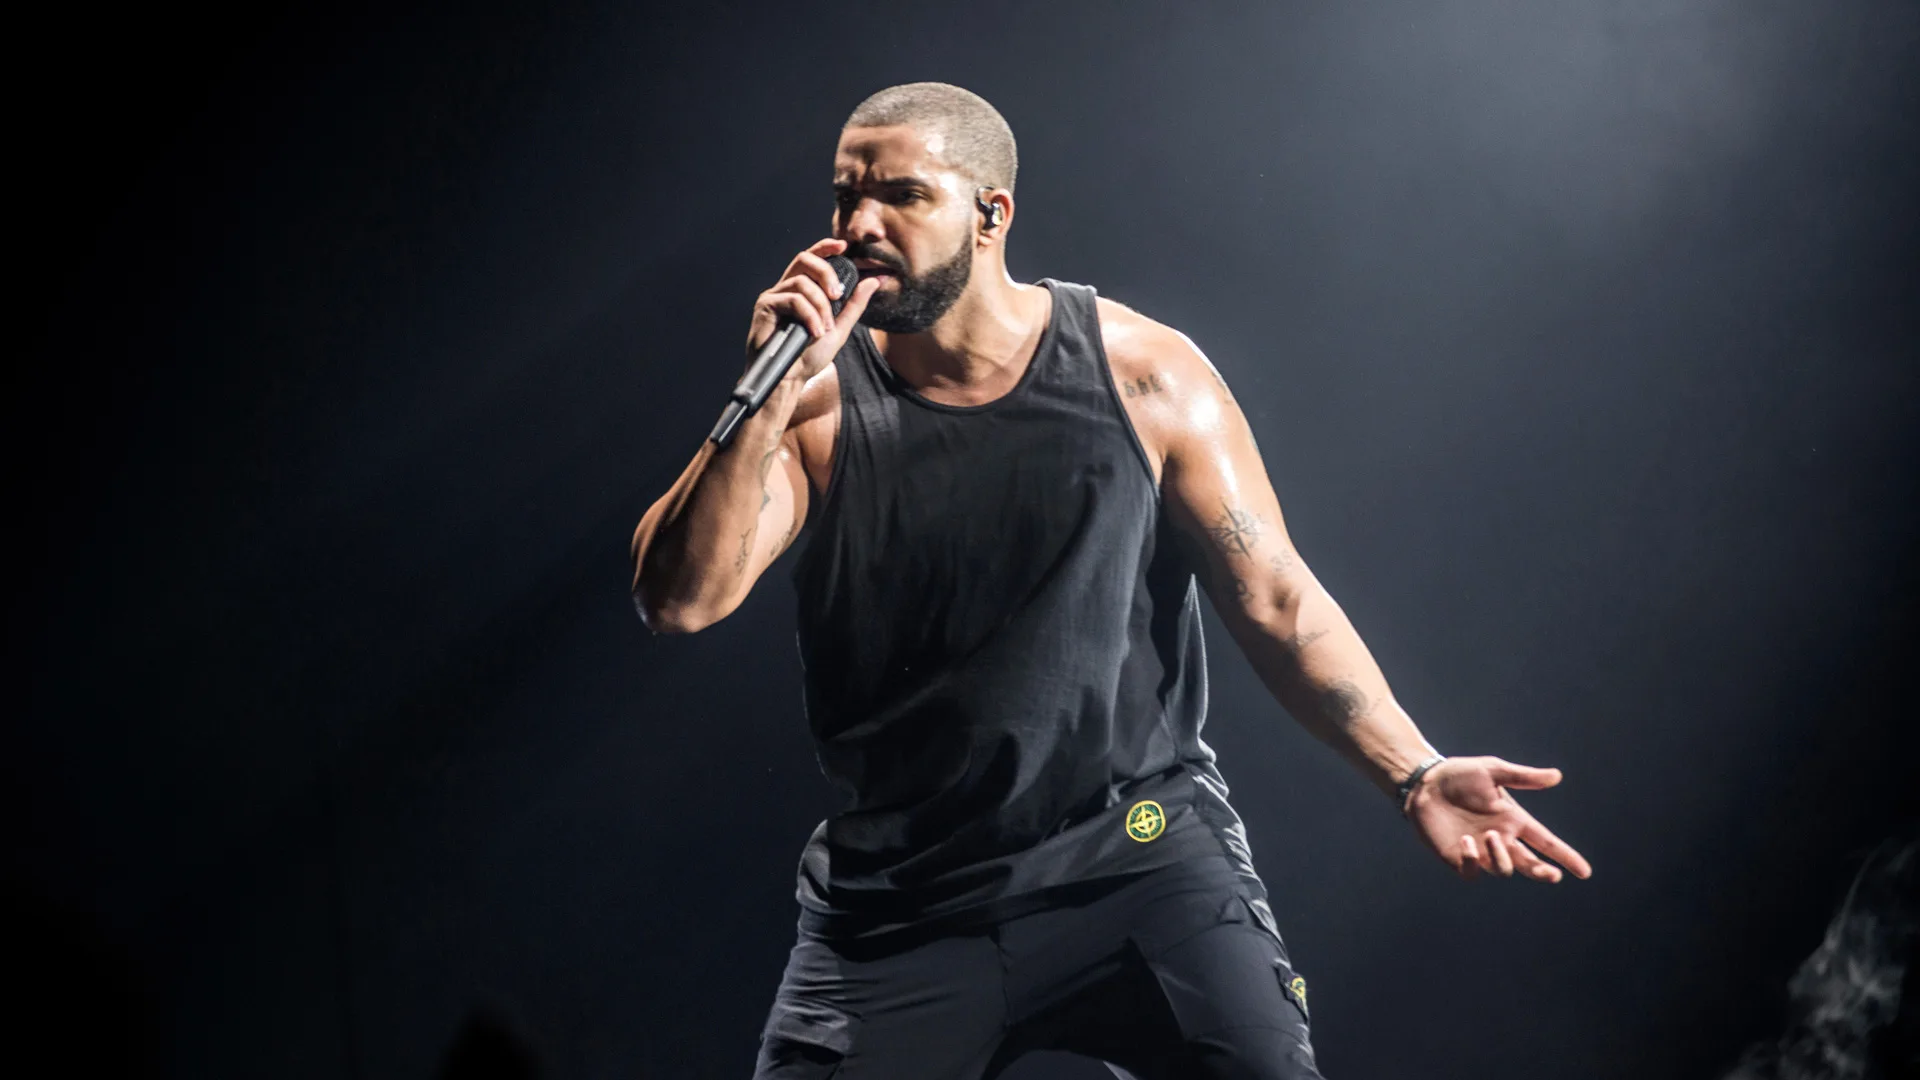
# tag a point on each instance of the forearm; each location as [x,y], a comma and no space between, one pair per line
[1312,659]
[690,550]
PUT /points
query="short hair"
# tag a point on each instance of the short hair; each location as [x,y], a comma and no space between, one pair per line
[977,140]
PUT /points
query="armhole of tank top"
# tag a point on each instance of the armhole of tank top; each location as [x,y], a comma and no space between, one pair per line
[1113,391]
[839,443]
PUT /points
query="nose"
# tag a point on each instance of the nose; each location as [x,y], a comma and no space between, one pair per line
[861,224]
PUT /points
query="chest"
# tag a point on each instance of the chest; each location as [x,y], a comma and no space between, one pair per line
[1146,414]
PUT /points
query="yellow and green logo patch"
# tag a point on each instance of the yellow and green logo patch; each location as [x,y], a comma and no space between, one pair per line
[1298,988]
[1145,820]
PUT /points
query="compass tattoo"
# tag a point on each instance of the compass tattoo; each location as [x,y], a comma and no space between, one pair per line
[1237,530]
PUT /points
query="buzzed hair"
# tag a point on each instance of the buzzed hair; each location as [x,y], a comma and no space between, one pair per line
[977,139]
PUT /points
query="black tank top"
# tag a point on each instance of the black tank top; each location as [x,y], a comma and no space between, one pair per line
[1001,637]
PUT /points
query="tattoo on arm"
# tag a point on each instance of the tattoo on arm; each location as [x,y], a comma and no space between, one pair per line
[1300,641]
[1149,385]
[746,547]
[1236,531]
[766,467]
[1342,702]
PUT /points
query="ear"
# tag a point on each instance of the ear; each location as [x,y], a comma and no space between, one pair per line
[996,210]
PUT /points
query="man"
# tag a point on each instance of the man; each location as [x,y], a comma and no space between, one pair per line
[1009,490]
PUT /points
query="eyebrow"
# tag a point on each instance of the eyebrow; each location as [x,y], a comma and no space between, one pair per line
[902,182]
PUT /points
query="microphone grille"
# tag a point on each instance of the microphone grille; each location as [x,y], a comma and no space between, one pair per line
[849,275]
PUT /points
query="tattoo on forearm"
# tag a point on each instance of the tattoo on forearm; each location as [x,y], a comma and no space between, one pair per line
[1149,385]
[1301,640]
[1281,562]
[766,468]
[1236,531]
[1342,702]
[746,548]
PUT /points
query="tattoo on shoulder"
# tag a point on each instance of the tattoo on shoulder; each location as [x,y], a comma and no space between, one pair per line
[1236,531]
[1148,385]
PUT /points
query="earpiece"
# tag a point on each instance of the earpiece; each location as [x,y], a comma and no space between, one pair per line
[994,211]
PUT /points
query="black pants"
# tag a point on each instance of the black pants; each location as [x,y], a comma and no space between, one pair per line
[1170,977]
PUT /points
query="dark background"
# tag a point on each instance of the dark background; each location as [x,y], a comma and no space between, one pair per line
[1579,339]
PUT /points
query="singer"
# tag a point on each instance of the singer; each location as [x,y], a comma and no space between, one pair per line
[1009,493]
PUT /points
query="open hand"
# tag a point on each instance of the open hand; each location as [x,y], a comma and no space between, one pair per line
[1464,812]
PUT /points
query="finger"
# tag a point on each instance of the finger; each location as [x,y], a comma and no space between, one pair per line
[826,346]
[817,297]
[1524,777]
[796,306]
[1502,861]
[856,304]
[1471,861]
[1556,849]
[809,266]
[1527,864]
[821,249]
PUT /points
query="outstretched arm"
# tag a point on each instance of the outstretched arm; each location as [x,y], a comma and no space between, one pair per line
[1302,645]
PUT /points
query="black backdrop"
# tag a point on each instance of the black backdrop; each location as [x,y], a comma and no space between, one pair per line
[1579,339]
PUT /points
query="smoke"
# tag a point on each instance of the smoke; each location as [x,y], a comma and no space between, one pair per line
[1853,1013]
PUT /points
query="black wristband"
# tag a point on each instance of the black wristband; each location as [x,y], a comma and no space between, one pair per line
[1405,790]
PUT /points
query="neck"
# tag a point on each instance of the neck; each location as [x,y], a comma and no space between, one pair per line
[980,347]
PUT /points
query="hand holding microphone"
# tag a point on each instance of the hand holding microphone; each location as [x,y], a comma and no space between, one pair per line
[804,318]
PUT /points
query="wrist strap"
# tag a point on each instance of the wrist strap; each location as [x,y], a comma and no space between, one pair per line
[1405,791]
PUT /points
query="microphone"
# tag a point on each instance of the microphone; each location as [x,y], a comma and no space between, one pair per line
[789,340]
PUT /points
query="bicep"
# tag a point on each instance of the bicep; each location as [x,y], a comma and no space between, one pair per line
[1217,493]
[783,507]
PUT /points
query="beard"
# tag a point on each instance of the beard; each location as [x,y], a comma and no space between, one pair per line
[921,300]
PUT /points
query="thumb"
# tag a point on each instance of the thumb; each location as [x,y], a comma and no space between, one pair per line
[1525,777]
[856,305]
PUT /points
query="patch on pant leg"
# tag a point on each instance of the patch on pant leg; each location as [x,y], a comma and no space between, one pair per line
[1296,988]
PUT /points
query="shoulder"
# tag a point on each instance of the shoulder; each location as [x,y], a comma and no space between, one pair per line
[1169,387]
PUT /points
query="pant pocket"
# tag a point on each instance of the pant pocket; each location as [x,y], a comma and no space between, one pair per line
[803,1041]
[1229,976]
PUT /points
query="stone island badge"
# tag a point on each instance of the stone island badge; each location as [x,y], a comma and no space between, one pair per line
[1298,988]
[1146,820]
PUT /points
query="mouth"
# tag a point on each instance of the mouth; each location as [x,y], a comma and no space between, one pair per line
[870,268]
